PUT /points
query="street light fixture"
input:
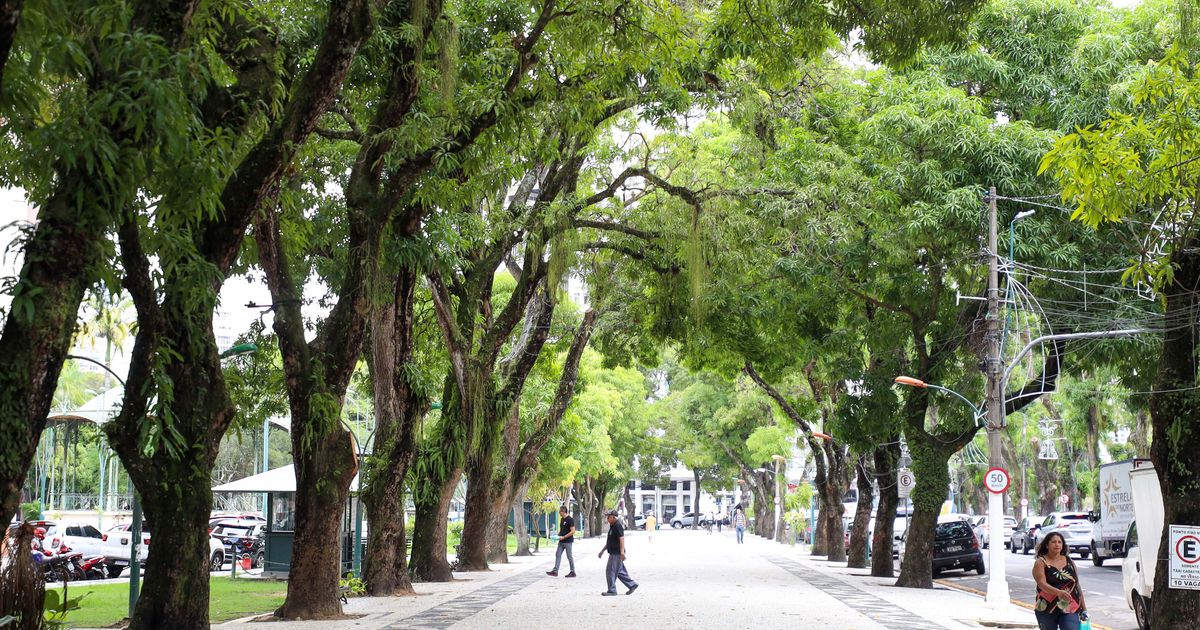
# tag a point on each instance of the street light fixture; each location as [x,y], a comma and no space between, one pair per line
[915,382]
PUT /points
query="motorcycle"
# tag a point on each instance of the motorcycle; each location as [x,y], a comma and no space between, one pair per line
[64,564]
[92,568]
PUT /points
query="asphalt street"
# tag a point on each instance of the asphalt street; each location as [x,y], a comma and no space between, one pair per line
[1102,587]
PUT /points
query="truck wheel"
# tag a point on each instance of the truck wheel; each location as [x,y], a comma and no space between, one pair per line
[1083,555]
[1025,547]
[1012,547]
[979,569]
[115,571]
[1141,610]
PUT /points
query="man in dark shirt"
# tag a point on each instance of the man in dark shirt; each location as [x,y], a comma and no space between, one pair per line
[566,536]
[615,546]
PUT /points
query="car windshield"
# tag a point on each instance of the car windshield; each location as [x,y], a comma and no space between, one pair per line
[957,529]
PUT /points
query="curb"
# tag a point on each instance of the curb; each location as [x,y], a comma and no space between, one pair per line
[1025,605]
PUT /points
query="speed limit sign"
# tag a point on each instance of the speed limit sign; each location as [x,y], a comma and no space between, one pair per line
[996,480]
[1064,499]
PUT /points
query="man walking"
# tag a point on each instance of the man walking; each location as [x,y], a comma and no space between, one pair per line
[739,522]
[615,546]
[566,540]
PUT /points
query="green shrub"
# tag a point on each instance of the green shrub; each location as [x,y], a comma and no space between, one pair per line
[31,511]
[356,585]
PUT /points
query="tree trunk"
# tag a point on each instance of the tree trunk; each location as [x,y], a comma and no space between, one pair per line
[1094,420]
[630,509]
[820,546]
[886,459]
[429,561]
[474,551]
[930,469]
[858,533]
[501,504]
[695,499]
[177,564]
[833,490]
[323,475]
[398,413]
[1173,410]
[519,527]
[1140,438]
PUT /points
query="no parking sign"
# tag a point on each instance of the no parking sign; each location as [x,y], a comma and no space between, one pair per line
[1185,557]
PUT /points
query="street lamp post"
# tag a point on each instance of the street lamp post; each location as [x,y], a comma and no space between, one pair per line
[997,592]
[135,525]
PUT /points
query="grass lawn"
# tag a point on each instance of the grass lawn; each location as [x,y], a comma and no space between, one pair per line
[229,598]
[452,541]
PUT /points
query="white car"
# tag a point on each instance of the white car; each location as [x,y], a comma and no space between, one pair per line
[116,549]
[80,537]
[983,531]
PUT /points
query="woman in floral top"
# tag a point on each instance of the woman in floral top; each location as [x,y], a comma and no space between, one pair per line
[1059,598]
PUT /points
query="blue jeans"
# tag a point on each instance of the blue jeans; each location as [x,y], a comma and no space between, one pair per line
[564,546]
[1057,620]
[740,532]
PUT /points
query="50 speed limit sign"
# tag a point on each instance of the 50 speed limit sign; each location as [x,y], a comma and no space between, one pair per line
[996,480]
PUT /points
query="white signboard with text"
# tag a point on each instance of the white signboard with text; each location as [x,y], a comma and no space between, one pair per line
[1185,557]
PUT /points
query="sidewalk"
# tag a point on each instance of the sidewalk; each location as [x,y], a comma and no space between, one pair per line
[686,578]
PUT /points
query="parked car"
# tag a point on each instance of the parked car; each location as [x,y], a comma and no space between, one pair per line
[983,531]
[1076,530]
[639,521]
[954,547]
[116,549]
[684,521]
[1022,538]
[218,517]
[899,527]
[242,538]
[80,537]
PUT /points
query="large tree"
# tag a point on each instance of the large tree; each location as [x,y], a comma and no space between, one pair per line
[1139,164]
[176,407]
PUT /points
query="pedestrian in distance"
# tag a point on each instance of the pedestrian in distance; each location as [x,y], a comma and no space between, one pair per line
[651,524]
[709,522]
[1060,604]
[739,522]
[615,546]
[720,520]
[566,540]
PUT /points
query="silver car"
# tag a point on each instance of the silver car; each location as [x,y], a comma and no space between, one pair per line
[1075,528]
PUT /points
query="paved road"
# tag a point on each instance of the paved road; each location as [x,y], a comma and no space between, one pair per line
[1102,586]
[687,580]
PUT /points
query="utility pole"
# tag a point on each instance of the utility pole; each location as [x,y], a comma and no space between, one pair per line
[997,586]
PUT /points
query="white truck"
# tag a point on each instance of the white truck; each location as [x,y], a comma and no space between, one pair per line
[1145,534]
[1115,512]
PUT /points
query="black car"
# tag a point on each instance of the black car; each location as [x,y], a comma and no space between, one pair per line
[954,547]
[242,539]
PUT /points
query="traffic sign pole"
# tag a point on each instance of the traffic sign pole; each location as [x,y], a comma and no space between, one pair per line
[997,584]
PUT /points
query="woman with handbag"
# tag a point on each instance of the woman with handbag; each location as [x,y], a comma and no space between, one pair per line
[1060,603]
